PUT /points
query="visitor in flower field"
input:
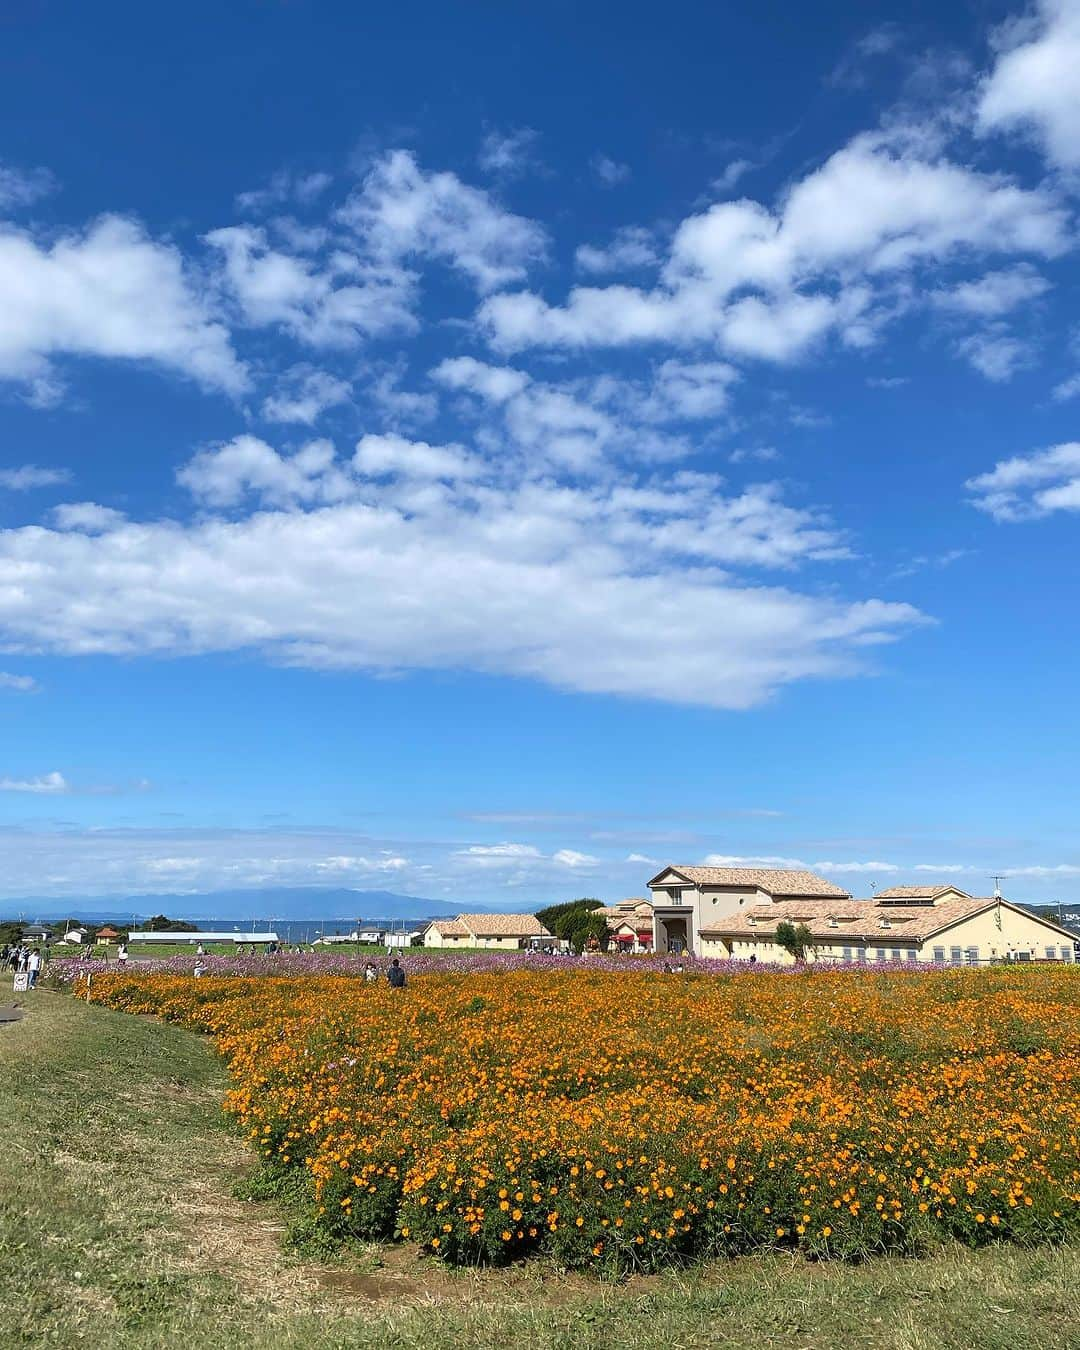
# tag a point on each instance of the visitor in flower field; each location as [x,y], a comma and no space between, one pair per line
[122,955]
[395,975]
[370,972]
[33,966]
[200,969]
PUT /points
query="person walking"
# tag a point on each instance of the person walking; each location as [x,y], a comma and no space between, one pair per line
[395,975]
[33,966]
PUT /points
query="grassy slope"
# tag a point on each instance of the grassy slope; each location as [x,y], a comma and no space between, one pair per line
[118,1227]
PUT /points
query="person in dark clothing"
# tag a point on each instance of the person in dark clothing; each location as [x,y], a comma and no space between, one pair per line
[395,975]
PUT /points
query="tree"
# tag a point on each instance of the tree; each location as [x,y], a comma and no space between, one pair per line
[794,938]
[575,922]
[160,923]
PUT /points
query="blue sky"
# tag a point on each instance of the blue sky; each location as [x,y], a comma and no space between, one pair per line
[490,452]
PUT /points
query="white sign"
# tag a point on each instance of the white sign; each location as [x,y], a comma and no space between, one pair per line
[22,982]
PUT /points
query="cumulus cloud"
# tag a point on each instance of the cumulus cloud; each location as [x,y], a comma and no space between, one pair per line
[1033,86]
[285,186]
[19,684]
[1028,487]
[994,293]
[771,284]
[108,291]
[632,247]
[508,154]
[23,187]
[49,784]
[402,212]
[609,171]
[28,476]
[303,394]
[996,353]
[405,558]
[332,302]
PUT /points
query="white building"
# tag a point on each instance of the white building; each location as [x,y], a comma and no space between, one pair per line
[498,932]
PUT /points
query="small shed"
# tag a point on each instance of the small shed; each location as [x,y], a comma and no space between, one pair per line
[107,934]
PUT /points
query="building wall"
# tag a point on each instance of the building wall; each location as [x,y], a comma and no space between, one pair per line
[433,938]
[971,941]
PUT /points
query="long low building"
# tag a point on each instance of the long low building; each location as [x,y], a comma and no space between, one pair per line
[497,932]
[259,939]
[937,924]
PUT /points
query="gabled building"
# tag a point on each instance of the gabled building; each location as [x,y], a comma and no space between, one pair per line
[630,924]
[497,932]
[937,925]
[688,900]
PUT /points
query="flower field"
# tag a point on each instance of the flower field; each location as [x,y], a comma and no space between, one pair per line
[630,1119]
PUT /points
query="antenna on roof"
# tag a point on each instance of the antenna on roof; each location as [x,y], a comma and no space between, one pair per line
[997,879]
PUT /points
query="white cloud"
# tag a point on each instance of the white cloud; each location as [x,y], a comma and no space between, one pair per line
[734,171]
[379,456]
[773,284]
[414,569]
[246,466]
[508,154]
[993,294]
[285,186]
[89,517]
[50,784]
[399,408]
[1067,389]
[888,381]
[21,684]
[1033,85]
[609,171]
[303,395]
[401,212]
[333,303]
[797,864]
[1028,487]
[996,353]
[29,476]
[23,187]
[642,858]
[110,291]
[568,857]
[631,247]
[761,454]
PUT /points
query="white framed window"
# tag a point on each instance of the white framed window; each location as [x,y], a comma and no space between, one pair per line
[912,954]
[861,955]
[847,953]
[880,954]
[971,956]
[1066,953]
[939,955]
[895,954]
[1051,953]
[956,955]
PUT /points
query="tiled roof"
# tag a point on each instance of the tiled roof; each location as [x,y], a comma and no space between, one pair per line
[503,925]
[916,892]
[769,879]
[854,919]
[449,927]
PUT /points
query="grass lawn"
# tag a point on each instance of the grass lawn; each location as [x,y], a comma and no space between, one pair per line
[119,1226]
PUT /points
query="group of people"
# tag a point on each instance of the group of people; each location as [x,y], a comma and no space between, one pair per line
[24,960]
[395,974]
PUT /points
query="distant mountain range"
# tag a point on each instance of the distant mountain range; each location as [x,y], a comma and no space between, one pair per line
[299,903]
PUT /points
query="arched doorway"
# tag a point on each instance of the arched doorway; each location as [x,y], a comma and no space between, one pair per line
[676,937]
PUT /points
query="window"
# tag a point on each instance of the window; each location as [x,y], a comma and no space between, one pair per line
[674,894]
[971,956]
[879,954]
[861,956]
[895,954]
[847,953]
[1066,953]
[912,955]
[1051,953]
[939,955]
[956,955]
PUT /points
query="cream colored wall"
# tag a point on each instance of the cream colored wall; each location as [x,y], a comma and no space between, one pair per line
[500,943]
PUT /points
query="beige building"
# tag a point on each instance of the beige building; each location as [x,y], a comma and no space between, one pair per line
[630,924]
[940,925]
[688,900]
[497,932]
